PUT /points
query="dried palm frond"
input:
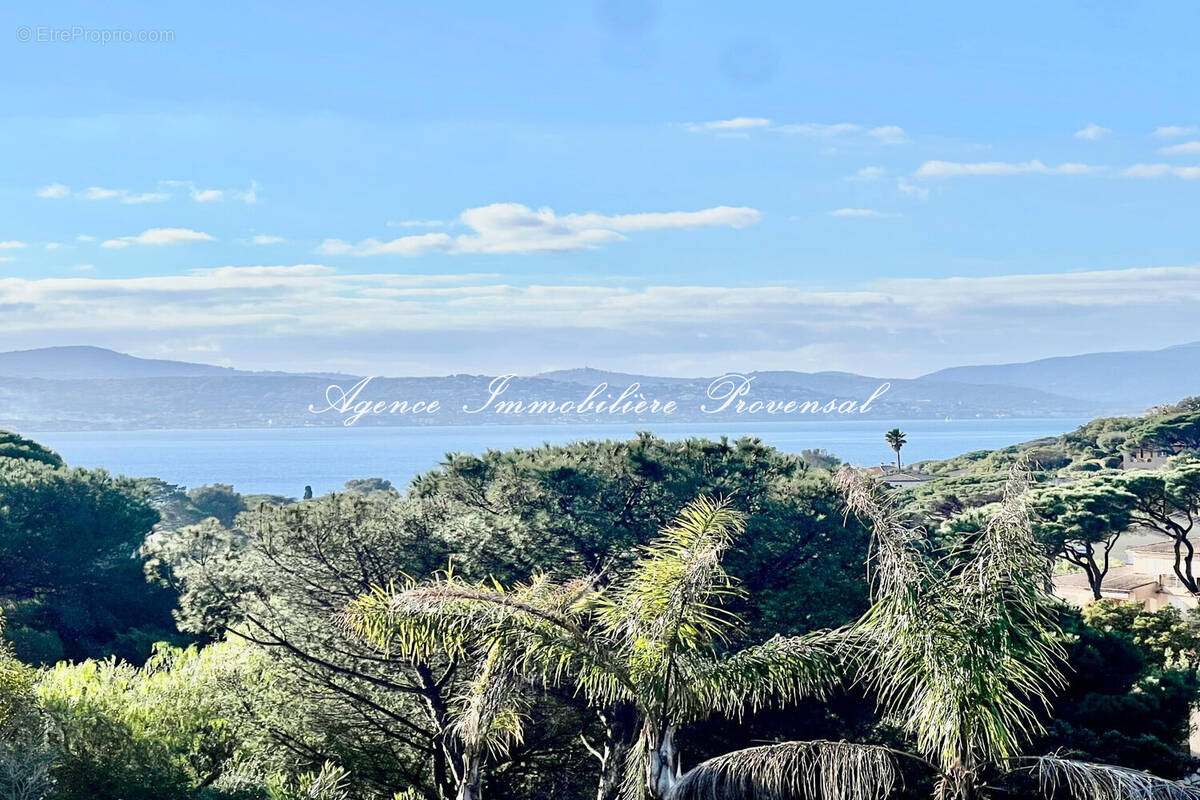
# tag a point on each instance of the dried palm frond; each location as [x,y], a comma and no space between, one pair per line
[818,770]
[1067,779]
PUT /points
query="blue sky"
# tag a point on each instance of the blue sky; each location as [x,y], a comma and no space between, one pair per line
[666,187]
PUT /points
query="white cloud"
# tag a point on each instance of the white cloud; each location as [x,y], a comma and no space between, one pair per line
[83,267]
[159,236]
[418,223]
[99,193]
[860,212]
[54,191]
[6,259]
[12,244]
[263,238]
[1170,131]
[743,126]
[123,195]
[306,316]
[728,125]
[1092,132]
[820,129]
[868,174]
[1186,148]
[514,228]
[58,191]
[888,134]
[955,169]
[912,190]
[83,237]
[1161,171]
[53,245]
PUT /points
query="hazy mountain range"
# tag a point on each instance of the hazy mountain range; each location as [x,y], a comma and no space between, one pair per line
[82,388]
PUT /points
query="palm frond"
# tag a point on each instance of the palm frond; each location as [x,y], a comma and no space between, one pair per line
[962,652]
[782,670]
[669,603]
[1081,780]
[494,707]
[818,770]
[544,625]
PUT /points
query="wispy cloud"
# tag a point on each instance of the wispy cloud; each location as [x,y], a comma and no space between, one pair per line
[263,238]
[208,195]
[418,223]
[123,195]
[1185,148]
[956,169]
[159,236]
[742,126]
[736,124]
[912,190]
[1171,131]
[12,244]
[59,191]
[510,228]
[1092,132]
[860,212]
[54,191]
[1161,171]
[867,174]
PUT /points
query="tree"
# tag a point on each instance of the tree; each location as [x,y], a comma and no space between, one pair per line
[896,440]
[1130,693]
[26,755]
[1172,431]
[368,485]
[68,572]
[648,641]
[219,501]
[1082,522]
[277,579]
[1168,501]
[18,447]
[963,656]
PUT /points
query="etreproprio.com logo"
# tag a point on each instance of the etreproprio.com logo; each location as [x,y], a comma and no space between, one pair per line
[49,34]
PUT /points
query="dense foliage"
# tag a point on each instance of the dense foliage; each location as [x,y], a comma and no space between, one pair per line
[267,689]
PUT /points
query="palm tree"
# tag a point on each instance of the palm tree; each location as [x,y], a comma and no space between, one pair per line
[648,642]
[896,440]
[962,655]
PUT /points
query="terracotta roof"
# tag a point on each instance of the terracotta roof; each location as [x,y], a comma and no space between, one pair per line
[1118,579]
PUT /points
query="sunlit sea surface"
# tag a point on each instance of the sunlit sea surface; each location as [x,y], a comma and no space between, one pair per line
[283,461]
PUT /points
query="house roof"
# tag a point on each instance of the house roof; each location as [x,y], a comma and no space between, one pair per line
[892,476]
[1118,579]
[1166,547]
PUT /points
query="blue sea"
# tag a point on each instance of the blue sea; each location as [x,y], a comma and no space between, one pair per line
[283,461]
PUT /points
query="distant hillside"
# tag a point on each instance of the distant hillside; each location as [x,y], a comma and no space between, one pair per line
[81,388]
[96,362]
[1128,381]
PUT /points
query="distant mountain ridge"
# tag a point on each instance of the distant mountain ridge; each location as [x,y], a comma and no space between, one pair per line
[84,362]
[84,388]
[96,362]
[1133,379]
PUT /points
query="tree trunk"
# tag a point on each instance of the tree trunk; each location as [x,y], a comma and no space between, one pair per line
[1184,553]
[620,725]
[470,784]
[662,771]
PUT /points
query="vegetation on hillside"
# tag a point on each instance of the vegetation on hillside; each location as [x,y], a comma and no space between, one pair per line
[597,620]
